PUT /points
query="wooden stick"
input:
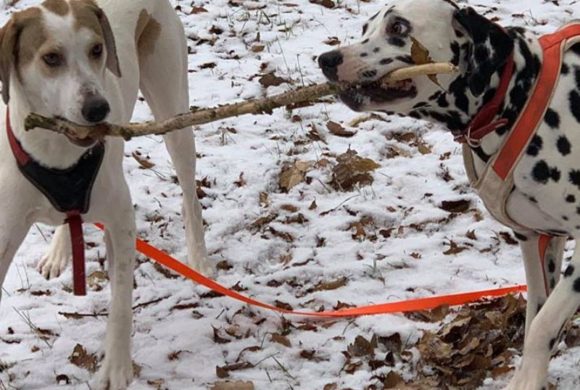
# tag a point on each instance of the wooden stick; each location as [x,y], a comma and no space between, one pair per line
[202,116]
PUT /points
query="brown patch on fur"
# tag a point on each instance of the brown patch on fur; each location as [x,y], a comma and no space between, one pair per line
[89,15]
[59,7]
[20,41]
[146,34]
[86,14]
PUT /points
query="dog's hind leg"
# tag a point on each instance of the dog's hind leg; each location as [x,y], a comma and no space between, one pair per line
[55,260]
[542,261]
[163,67]
[545,329]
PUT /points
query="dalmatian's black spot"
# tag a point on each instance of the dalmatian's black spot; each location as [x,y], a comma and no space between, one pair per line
[405,59]
[575,104]
[565,69]
[577,76]
[535,146]
[397,41]
[365,28]
[552,119]
[436,95]
[369,74]
[456,50]
[574,177]
[386,61]
[364,42]
[481,53]
[576,48]
[576,285]
[442,101]
[520,237]
[552,283]
[420,105]
[565,217]
[551,266]
[542,173]
[376,49]
[564,146]
[364,54]
[569,271]
[552,343]
[571,199]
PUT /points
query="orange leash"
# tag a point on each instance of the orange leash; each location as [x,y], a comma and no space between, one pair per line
[386,308]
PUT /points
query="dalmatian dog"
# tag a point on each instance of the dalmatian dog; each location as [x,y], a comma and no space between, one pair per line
[86,61]
[546,197]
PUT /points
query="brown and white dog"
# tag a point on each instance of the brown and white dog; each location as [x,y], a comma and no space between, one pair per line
[86,61]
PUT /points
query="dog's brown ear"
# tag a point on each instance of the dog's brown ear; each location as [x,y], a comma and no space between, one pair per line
[490,47]
[111,46]
[8,41]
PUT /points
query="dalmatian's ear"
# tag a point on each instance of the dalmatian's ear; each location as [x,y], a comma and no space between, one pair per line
[490,48]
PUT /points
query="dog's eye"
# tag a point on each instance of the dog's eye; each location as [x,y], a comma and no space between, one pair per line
[53,60]
[97,51]
[398,28]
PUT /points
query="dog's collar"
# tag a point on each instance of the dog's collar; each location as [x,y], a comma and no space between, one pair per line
[68,190]
[483,124]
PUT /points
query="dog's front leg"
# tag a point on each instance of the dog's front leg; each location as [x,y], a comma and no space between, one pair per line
[54,262]
[12,233]
[117,368]
[544,331]
[542,269]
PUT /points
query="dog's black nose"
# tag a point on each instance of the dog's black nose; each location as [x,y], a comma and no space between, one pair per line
[95,109]
[329,63]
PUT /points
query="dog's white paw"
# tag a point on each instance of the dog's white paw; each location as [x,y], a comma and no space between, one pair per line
[203,265]
[53,263]
[115,374]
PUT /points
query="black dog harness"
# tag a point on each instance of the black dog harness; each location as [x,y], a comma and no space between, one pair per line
[68,190]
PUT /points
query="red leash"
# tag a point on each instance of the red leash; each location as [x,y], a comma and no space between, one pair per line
[385,308]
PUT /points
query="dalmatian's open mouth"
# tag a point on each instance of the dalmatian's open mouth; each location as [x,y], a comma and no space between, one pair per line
[378,92]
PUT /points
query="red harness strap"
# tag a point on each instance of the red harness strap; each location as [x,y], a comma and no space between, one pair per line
[482,124]
[75,224]
[537,105]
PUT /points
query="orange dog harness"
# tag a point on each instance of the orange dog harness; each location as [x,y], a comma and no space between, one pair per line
[496,182]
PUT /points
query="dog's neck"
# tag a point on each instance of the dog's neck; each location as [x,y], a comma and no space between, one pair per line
[457,118]
[48,148]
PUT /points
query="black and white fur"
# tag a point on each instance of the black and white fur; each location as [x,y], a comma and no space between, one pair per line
[547,179]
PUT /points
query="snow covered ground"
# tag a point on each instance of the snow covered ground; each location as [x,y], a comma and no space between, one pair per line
[310,248]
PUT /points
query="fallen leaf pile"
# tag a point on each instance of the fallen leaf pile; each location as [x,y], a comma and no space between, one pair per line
[479,342]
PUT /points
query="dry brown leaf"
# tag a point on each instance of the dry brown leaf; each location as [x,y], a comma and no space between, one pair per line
[324,3]
[362,347]
[420,56]
[393,380]
[144,163]
[352,170]
[237,385]
[280,339]
[271,80]
[456,206]
[81,358]
[197,10]
[454,248]
[331,285]
[339,130]
[293,174]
